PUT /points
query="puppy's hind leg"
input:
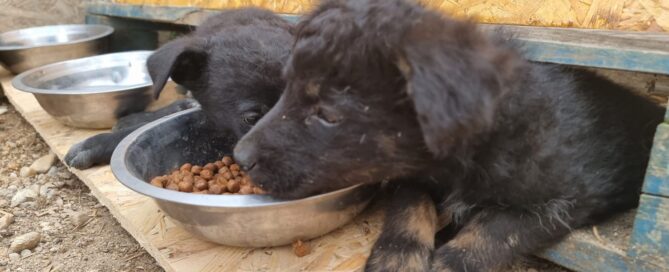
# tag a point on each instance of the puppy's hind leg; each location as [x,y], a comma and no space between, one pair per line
[407,239]
[493,238]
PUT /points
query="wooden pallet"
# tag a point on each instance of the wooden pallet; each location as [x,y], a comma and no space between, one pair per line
[345,249]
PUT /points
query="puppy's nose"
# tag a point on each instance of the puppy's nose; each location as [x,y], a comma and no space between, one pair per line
[245,155]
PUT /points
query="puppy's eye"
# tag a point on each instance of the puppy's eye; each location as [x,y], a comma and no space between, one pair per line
[327,118]
[250,118]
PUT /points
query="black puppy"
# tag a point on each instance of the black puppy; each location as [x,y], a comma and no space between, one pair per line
[231,64]
[517,154]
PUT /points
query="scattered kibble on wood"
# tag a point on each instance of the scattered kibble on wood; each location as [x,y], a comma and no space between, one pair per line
[301,249]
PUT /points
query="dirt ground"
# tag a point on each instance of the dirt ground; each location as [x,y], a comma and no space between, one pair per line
[77,232]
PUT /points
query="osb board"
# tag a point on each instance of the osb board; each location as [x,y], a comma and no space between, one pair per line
[345,249]
[18,14]
[650,15]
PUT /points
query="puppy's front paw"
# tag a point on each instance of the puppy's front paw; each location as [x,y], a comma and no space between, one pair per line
[95,150]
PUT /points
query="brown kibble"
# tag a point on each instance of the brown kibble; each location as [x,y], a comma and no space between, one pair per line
[216,189]
[186,167]
[233,186]
[206,174]
[246,180]
[227,160]
[201,184]
[185,186]
[210,166]
[172,186]
[201,192]
[301,249]
[219,177]
[246,190]
[158,181]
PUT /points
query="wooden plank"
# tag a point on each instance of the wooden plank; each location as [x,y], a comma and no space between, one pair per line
[630,51]
[644,15]
[657,174]
[650,240]
[175,249]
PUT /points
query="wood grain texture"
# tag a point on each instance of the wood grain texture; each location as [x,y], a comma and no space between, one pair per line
[345,249]
[650,239]
[646,15]
[657,174]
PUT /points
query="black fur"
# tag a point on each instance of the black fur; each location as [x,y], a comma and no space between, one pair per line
[231,64]
[519,153]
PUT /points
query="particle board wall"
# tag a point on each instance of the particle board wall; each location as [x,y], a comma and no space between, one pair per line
[18,14]
[640,15]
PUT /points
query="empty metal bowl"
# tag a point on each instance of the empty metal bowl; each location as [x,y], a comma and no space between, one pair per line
[24,49]
[235,220]
[91,92]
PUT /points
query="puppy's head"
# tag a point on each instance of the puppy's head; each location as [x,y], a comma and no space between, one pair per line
[376,90]
[235,74]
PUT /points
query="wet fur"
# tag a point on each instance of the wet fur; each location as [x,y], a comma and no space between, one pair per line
[518,153]
[231,64]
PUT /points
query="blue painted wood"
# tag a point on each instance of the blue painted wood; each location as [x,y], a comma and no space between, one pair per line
[585,253]
[657,173]
[650,238]
[599,57]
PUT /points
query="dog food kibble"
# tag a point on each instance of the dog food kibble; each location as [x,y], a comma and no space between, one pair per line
[216,178]
[301,249]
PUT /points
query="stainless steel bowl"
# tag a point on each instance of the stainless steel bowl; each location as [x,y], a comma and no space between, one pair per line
[91,92]
[235,220]
[24,49]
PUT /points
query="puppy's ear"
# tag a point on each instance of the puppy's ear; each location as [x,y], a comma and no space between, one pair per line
[455,76]
[183,59]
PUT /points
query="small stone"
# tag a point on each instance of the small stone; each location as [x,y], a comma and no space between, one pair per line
[27,172]
[23,196]
[58,184]
[64,175]
[53,249]
[6,220]
[69,182]
[79,218]
[25,241]
[26,253]
[3,109]
[53,171]
[13,175]
[43,164]
[59,201]
[3,202]
[34,188]
[14,256]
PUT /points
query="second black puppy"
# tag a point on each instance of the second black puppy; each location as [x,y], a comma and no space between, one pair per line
[232,65]
[458,121]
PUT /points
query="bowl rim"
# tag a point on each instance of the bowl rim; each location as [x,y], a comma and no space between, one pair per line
[138,185]
[17,81]
[106,31]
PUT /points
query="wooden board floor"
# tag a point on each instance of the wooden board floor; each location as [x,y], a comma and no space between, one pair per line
[345,249]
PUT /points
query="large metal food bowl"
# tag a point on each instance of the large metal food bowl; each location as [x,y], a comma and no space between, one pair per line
[24,49]
[91,92]
[235,220]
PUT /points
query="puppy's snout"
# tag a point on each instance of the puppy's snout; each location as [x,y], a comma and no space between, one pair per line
[245,154]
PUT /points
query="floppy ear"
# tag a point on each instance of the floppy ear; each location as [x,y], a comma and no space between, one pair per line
[183,59]
[455,76]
